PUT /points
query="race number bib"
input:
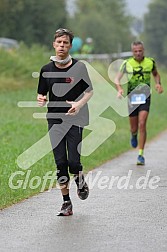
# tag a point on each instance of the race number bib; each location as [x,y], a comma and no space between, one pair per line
[138,99]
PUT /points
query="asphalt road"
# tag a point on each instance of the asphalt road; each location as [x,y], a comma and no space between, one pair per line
[126,211]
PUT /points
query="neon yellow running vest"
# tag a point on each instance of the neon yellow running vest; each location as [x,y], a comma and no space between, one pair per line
[138,72]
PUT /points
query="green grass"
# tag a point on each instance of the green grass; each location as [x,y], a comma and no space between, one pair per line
[19,130]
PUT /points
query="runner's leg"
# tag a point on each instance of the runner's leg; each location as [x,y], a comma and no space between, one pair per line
[143,115]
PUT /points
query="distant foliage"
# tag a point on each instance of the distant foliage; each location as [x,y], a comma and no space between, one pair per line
[155,33]
[31,21]
[104,21]
[22,62]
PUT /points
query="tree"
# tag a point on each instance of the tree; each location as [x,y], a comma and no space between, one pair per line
[31,21]
[155,30]
[104,21]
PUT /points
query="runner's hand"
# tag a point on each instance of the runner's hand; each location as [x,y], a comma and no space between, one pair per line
[159,88]
[74,108]
[41,100]
[120,93]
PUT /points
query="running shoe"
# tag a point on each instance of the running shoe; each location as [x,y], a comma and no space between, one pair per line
[140,160]
[66,209]
[84,192]
[134,141]
[82,187]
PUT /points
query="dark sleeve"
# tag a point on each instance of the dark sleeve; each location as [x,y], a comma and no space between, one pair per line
[42,84]
[86,79]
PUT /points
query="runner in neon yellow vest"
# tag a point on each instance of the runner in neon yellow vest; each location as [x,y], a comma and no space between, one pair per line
[138,70]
